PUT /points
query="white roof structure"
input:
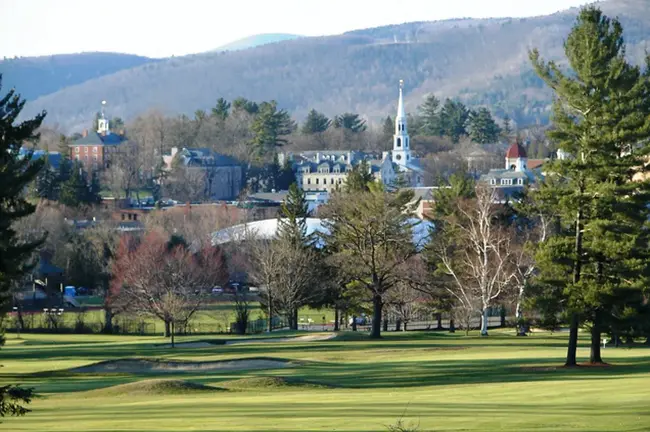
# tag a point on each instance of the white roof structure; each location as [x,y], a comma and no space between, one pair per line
[267,229]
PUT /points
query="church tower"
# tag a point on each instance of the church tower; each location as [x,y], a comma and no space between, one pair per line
[401,150]
[103,126]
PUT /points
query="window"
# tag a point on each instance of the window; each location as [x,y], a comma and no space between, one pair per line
[406,142]
[399,142]
[339,181]
[331,180]
[408,157]
[493,181]
[77,149]
[86,149]
[398,157]
[317,181]
[308,181]
[520,181]
[95,149]
[506,182]
[95,157]
[324,170]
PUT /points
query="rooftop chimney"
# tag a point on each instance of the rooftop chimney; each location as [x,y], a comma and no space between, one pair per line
[85,133]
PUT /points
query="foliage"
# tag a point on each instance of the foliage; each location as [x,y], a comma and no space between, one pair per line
[482,127]
[16,173]
[429,112]
[315,122]
[454,118]
[270,126]
[359,178]
[221,110]
[350,122]
[595,266]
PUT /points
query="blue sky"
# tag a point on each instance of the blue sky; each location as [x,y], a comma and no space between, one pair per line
[160,28]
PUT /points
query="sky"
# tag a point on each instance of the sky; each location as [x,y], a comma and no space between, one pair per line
[161,28]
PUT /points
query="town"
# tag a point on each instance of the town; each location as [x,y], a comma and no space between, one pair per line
[413,260]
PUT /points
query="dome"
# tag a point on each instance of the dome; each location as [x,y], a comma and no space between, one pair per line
[516,151]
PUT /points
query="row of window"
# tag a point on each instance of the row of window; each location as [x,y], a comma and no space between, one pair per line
[78,149]
[332,181]
[507,182]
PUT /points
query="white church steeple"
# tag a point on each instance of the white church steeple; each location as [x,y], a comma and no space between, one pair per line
[103,126]
[401,145]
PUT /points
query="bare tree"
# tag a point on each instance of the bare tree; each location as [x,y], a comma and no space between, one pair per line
[168,282]
[474,252]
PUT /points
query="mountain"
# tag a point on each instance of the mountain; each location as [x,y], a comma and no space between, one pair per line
[257,40]
[38,76]
[483,62]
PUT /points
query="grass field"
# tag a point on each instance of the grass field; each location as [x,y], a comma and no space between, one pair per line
[438,381]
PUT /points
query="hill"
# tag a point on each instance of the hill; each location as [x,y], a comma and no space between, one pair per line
[484,62]
[257,40]
[39,76]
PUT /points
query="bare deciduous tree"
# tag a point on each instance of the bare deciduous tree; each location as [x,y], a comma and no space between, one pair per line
[168,282]
[474,253]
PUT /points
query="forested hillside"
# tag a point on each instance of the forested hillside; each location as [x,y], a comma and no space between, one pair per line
[39,76]
[483,62]
[256,40]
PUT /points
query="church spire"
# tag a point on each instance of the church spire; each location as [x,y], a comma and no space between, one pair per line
[401,152]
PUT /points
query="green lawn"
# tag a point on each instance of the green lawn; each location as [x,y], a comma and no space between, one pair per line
[441,382]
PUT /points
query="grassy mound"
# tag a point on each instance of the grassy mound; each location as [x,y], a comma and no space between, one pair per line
[270,383]
[154,387]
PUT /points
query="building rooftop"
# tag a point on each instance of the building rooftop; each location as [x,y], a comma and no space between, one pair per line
[515,151]
[94,138]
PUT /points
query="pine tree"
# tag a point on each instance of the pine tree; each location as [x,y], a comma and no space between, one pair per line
[601,116]
[16,173]
[351,122]
[388,129]
[47,182]
[506,130]
[64,148]
[430,114]
[270,127]
[93,196]
[74,191]
[483,128]
[453,120]
[292,217]
[315,122]
[359,178]
[221,110]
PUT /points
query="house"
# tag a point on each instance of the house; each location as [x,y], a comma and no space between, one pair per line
[516,175]
[327,170]
[223,174]
[275,199]
[96,148]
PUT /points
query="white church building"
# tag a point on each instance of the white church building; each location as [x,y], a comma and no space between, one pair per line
[327,170]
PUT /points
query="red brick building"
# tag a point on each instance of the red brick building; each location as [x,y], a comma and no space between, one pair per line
[94,149]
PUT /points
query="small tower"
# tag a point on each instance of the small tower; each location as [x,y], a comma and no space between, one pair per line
[103,126]
[401,150]
[516,157]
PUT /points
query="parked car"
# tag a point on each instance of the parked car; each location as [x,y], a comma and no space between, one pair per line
[217,290]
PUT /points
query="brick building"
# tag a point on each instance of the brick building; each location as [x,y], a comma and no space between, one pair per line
[94,149]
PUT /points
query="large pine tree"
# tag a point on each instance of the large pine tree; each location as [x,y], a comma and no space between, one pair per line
[602,118]
[315,122]
[16,173]
[430,115]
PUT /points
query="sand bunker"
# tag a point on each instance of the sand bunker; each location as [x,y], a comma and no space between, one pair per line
[153,366]
[307,338]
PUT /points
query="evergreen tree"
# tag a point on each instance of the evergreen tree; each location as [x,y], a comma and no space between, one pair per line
[388,129]
[117,124]
[286,176]
[359,178]
[93,195]
[483,128]
[453,120]
[47,182]
[351,122]
[315,122]
[270,127]
[430,114]
[221,110]
[597,262]
[506,130]
[63,146]
[16,173]
[294,210]
[74,191]
[243,104]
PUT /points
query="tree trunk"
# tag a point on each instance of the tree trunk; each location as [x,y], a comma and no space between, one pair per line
[385,324]
[269,312]
[108,321]
[336,319]
[377,306]
[484,321]
[594,354]
[577,272]
[452,326]
[573,341]
[172,332]
[294,319]
[398,325]
[405,325]
[354,323]
[167,329]
[439,321]
[519,315]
